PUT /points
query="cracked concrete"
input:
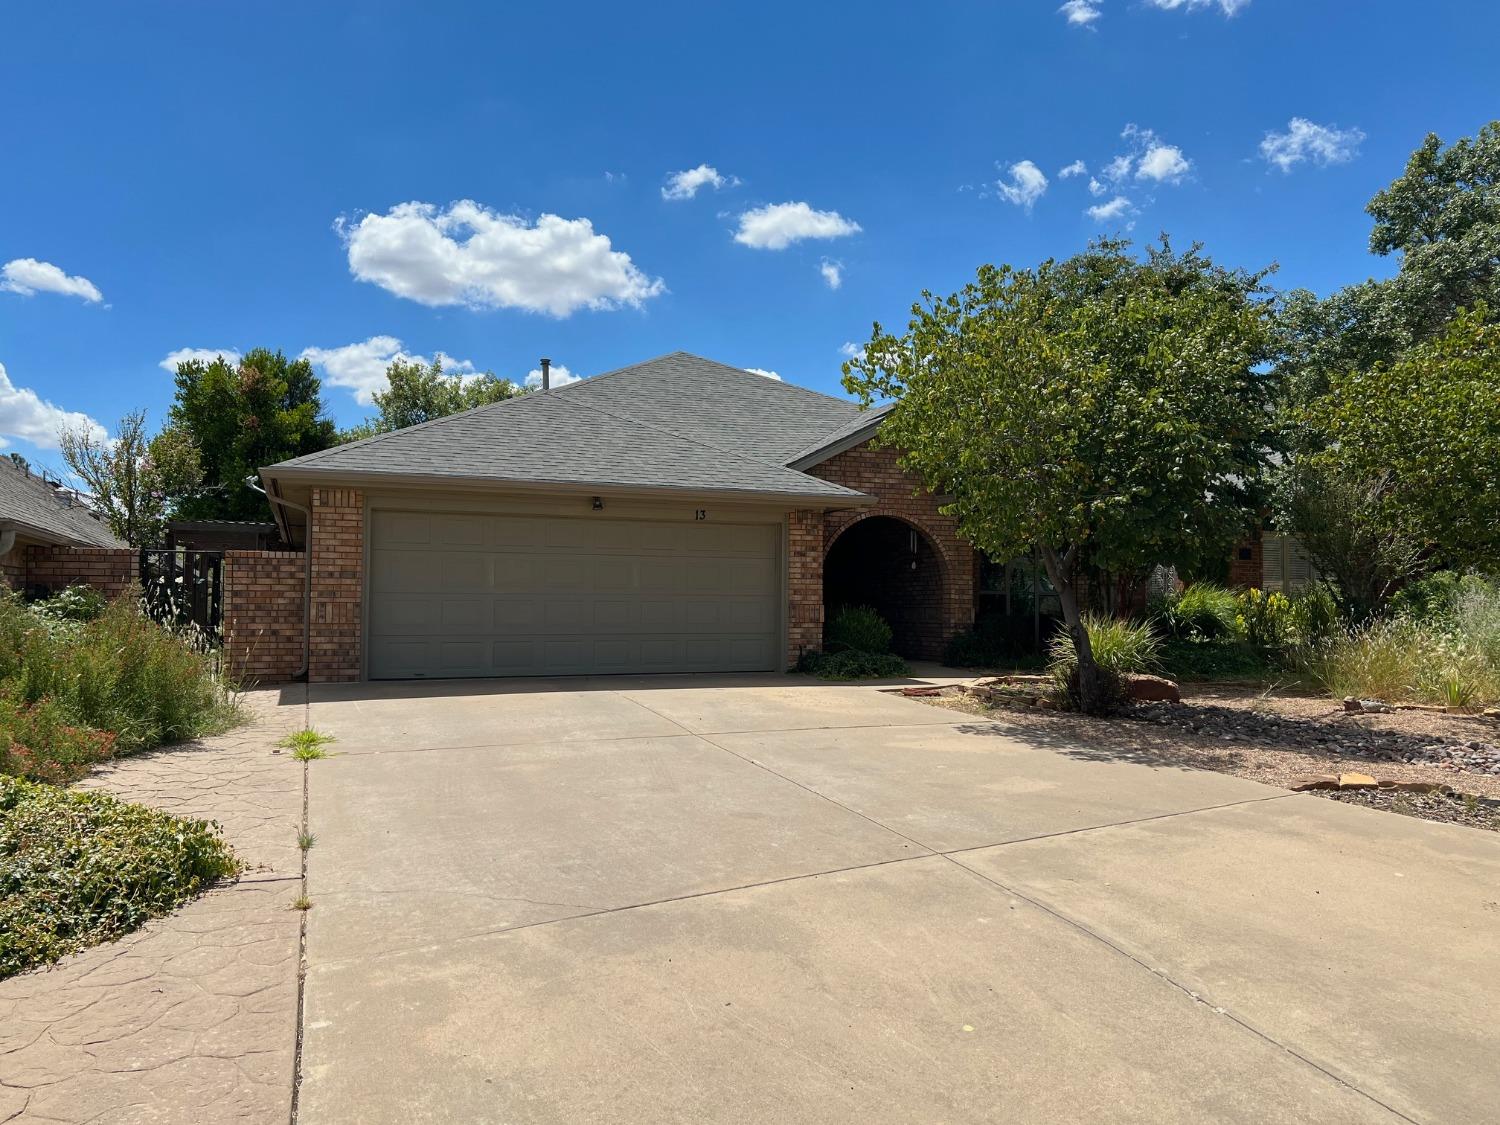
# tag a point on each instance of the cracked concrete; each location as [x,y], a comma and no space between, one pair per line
[192,1018]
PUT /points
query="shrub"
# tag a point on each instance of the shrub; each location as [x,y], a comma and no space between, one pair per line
[998,640]
[1312,616]
[37,742]
[121,673]
[1400,658]
[1264,619]
[1227,659]
[79,868]
[1202,611]
[852,665]
[858,629]
[76,603]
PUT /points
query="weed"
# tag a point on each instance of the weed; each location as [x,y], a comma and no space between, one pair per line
[307,745]
[301,902]
[306,840]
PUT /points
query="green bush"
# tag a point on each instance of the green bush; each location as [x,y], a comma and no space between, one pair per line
[1226,659]
[858,628]
[76,603]
[121,673]
[998,640]
[1264,619]
[79,868]
[38,742]
[852,665]
[1202,611]
[1119,646]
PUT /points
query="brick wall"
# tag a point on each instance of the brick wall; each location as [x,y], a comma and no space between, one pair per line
[263,592]
[13,568]
[337,541]
[110,570]
[804,619]
[875,472]
[1247,573]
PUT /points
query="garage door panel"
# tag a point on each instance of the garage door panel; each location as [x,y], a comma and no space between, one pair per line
[464,594]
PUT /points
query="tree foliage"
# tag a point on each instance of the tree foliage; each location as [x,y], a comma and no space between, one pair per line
[1441,217]
[1426,428]
[135,480]
[1104,410]
[264,409]
[417,392]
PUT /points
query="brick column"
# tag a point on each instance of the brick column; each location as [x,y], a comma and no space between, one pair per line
[804,611]
[337,542]
[262,615]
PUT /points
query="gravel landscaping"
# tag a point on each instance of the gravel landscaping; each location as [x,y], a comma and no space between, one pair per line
[1275,739]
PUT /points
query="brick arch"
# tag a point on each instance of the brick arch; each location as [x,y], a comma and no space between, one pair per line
[911,589]
[835,528]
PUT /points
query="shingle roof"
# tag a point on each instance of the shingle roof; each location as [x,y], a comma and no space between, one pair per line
[674,422]
[35,508]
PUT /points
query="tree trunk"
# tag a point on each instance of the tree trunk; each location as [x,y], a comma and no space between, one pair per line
[1093,696]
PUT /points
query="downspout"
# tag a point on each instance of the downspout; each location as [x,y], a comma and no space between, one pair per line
[301,673]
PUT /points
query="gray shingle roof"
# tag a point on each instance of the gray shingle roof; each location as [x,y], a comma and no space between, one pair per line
[674,422]
[36,509]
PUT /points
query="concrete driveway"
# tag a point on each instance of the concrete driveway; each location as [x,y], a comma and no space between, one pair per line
[753,899]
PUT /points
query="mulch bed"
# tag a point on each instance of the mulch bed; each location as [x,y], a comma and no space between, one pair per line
[1446,807]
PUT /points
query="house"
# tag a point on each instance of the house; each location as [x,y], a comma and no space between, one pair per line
[41,522]
[677,515]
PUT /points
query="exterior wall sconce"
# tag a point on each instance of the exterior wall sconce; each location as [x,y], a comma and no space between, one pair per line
[598,504]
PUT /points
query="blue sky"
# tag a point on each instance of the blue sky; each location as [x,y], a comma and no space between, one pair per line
[181,175]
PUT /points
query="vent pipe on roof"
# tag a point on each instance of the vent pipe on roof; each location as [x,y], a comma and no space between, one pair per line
[546,373]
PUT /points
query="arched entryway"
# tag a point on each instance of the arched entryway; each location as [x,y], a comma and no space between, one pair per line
[890,565]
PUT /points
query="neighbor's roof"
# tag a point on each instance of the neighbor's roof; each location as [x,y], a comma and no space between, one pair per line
[677,422]
[35,509]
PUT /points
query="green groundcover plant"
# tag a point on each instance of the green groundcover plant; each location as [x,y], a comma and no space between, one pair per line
[78,868]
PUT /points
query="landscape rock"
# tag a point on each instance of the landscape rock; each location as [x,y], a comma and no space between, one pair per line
[1357,781]
[1152,689]
[1317,781]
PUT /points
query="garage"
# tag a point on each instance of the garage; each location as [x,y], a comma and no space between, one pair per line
[458,594]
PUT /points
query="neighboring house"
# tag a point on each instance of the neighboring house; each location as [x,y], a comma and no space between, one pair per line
[39,514]
[678,515]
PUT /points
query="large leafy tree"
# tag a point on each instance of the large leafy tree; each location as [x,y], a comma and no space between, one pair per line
[241,416]
[1441,219]
[1105,410]
[1425,429]
[134,480]
[419,392]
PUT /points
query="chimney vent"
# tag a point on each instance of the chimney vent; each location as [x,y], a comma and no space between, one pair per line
[546,373]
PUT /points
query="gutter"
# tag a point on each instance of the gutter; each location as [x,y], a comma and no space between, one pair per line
[301,673]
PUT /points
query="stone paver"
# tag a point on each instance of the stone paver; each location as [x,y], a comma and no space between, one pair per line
[192,1018]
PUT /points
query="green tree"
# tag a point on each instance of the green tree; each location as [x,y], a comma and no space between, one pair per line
[134,480]
[1441,218]
[1104,410]
[1426,428]
[419,392]
[241,416]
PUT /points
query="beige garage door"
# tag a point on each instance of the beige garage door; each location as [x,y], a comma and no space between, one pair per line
[463,594]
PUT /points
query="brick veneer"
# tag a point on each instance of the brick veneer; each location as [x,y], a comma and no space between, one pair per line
[263,593]
[804,622]
[875,472]
[337,542]
[1245,574]
[110,570]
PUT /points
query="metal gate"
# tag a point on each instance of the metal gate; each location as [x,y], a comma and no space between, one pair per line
[181,588]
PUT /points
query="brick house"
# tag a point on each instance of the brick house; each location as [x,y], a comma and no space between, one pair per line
[50,539]
[676,515]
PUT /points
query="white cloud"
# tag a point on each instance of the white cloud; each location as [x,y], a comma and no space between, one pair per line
[1162,163]
[27,276]
[201,355]
[1096,188]
[1119,168]
[850,350]
[470,255]
[1304,140]
[1077,168]
[832,271]
[557,376]
[360,368]
[777,225]
[685,185]
[25,415]
[1027,184]
[1114,209]
[1228,7]
[1080,13]
[763,371]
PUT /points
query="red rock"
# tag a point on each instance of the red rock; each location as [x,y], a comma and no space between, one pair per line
[1143,689]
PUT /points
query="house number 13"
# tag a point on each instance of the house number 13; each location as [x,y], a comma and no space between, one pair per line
[700,513]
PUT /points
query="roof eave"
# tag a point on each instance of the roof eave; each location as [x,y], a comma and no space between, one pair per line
[844,498]
[51,536]
[817,456]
